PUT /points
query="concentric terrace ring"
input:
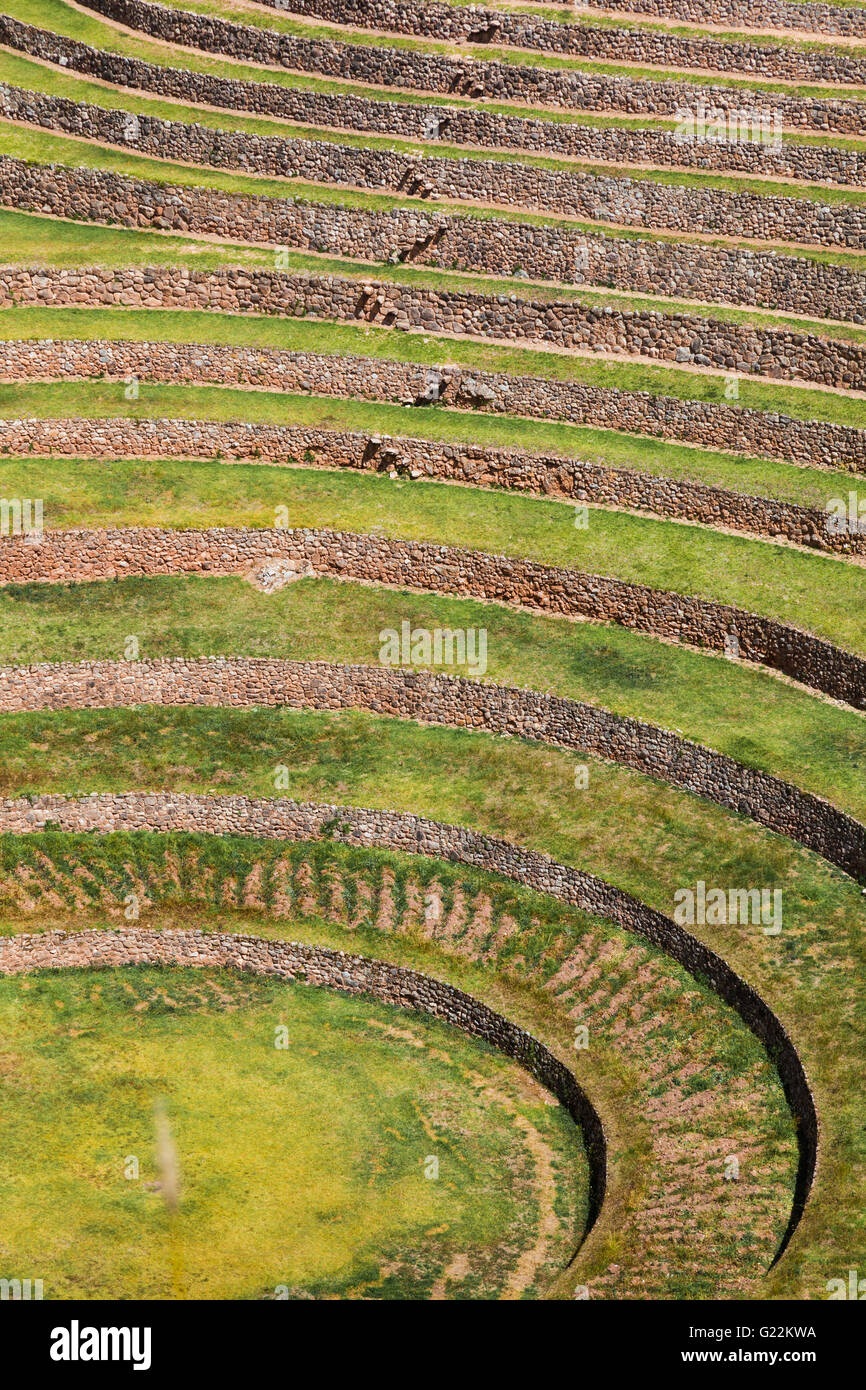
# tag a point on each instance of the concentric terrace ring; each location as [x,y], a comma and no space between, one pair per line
[163,812]
[471,126]
[443,73]
[66,557]
[347,376]
[558,254]
[455,702]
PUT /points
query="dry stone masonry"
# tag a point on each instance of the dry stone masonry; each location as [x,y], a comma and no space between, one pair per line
[67,557]
[679,339]
[415,835]
[409,893]
[692,271]
[639,47]
[461,388]
[373,379]
[456,703]
[519,84]
[749,432]
[702,260]
[454,125]
[819,19]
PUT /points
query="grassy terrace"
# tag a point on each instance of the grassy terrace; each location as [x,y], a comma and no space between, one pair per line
[266,18]
[41,147]
[88,28]
[251,330]
[618,1076]
[63,82]
[641,835]
[792,483]
[598,19]
[812,591]
[22,72]
[585,19]
[644,835]
[811,743]
[60,242]
[801,486]
[38,77]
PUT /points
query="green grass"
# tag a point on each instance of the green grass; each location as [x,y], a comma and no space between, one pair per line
[757,477]
[598,20]
[21,72]
[641,835]
[644,835]
[300,1166]
[269,19]
[48,149]
[30,239]
[311,335]
[813,591]
[813,744]
[60,18]
[202,881]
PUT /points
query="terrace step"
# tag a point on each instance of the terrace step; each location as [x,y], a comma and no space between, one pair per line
[695,1114]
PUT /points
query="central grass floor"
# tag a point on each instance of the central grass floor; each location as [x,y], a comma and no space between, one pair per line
[302,1167]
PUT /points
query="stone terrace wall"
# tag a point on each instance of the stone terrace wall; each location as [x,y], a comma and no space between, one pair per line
[430,72]
[68,557]
[377,379]
[515,470]
[848,20]
[414,835]
[455,703]
[318,965]
[571,480]
[458,125]
[566,324]
[639,47]
[749,432]
[695,271]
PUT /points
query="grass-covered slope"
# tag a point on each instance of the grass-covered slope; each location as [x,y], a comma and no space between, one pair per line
[362,1096]
[661,1048]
